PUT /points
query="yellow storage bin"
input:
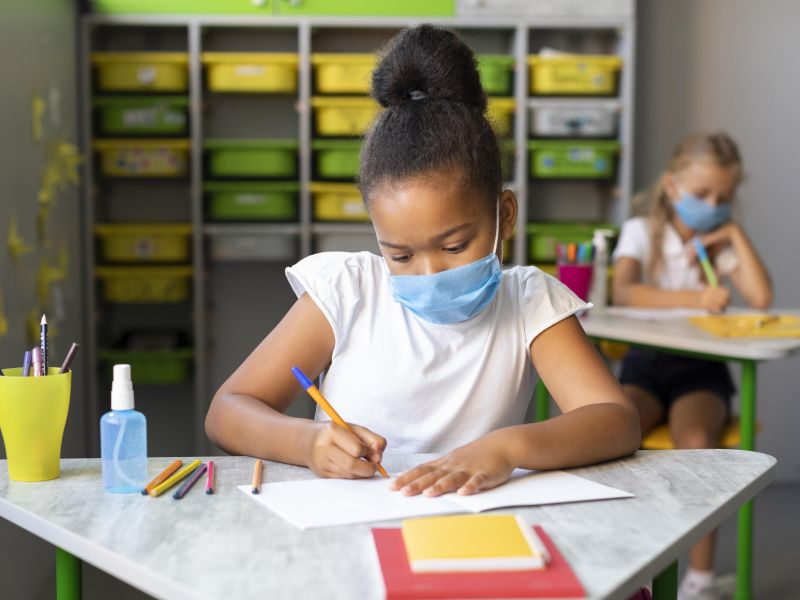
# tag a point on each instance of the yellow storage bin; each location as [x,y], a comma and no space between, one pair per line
[145,242]
[574,74]
[337,202]
[344,116]
[145,285]
[141,71]
[258,72]
[143,158]
[343,73]
[501,114]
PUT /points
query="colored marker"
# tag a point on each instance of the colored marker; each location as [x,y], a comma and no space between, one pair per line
[187,485]
[26,364]
[179,476]
[161,477]
[43,343]
[702,255]
[257,470]
[69,358]
[210,478]
[317,396]
[37,361]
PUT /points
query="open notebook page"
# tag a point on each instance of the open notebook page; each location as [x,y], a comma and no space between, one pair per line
[328,502]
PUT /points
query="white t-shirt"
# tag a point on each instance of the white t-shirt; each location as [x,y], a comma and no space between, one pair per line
[428,387]
[676,273]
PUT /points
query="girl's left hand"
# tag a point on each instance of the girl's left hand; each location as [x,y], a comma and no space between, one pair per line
[478,466]
[720,236]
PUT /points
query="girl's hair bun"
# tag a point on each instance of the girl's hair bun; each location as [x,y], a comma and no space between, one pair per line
[426,63]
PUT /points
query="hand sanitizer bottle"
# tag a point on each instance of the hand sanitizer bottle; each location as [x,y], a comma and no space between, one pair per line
[123,439]
[599,292]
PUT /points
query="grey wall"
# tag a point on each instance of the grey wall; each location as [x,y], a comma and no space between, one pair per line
[38,49]
[732,65]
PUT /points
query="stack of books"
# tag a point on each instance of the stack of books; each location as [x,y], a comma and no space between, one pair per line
[472,556]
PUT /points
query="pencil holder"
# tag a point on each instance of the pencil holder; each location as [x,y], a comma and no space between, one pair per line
[33,412]
[578,278]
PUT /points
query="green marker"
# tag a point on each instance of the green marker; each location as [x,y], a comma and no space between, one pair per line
[705,263]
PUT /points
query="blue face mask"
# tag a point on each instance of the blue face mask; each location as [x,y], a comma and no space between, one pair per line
[699,215]
[453,295]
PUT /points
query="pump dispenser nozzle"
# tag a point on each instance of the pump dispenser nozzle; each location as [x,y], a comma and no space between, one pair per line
[122,388]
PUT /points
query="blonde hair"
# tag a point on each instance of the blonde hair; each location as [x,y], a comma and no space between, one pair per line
[717,148]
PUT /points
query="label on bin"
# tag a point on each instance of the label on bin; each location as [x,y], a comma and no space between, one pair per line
[250,70]
[146,75]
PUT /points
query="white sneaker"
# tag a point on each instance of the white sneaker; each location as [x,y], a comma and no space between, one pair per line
[720,588]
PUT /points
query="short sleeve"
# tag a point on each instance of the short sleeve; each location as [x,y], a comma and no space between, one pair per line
[545,301]
[333,280]
[634,240]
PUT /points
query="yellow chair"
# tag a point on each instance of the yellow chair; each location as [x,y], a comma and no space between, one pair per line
[659,438]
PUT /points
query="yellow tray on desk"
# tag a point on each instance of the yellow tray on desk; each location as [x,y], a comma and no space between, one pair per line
[757,325]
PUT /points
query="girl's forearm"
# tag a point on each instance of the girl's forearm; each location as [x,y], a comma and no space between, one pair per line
[244,425]
[753,281]
[584,436]
[638,294]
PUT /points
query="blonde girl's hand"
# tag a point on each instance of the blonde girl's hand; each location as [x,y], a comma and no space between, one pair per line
[480,465]
[337,453]
[714,299]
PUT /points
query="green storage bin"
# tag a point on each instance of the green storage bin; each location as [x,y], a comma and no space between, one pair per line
[160,367]
[496,73]
[337,159]
[252,201]
[585,159]
[543,237]
[252,158]
[131,115]
[269,8]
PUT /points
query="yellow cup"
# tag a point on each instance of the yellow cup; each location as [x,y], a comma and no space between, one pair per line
[33,412]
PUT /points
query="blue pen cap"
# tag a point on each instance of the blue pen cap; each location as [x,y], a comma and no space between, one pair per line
[301,377]
[700,249]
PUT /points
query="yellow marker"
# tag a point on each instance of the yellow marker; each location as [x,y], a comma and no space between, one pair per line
[184,472]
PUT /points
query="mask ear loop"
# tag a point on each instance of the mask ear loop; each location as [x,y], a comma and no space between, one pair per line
[497,234]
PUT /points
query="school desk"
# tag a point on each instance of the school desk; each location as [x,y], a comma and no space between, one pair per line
[678,336]
[228,546]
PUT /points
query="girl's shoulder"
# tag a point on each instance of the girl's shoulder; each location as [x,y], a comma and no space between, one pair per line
[336,271]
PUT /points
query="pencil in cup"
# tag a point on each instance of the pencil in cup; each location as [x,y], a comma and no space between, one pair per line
[179,476]
[317,396]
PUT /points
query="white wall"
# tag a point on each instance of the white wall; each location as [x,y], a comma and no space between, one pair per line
[733,65]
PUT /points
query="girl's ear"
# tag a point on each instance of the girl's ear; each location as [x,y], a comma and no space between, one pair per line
[508,214]
[669,186]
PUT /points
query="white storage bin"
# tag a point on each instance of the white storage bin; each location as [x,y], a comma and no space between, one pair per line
[253,247]
[574,121]
[346,242]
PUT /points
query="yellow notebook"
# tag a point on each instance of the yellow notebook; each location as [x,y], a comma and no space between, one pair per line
[763,325]
[472,543]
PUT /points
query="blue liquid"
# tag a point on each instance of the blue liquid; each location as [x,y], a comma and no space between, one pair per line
[123,450]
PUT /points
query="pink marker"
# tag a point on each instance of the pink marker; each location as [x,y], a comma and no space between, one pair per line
[37,362]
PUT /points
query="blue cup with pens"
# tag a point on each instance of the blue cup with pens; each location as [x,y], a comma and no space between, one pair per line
[34,402]
[574,267]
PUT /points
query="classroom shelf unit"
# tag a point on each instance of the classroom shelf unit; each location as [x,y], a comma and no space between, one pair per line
[183,144]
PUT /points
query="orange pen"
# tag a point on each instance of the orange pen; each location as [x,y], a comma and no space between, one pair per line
[317,396]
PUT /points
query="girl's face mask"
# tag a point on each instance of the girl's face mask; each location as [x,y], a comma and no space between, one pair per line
[700,215]
[453,295]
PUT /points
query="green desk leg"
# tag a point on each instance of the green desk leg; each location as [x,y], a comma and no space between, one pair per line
[665,586]
[744,546]
[542,400]
[68,576]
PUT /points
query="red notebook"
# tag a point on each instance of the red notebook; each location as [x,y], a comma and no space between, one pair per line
[556,581]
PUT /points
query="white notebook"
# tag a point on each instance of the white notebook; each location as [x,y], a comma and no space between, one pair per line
[327,502]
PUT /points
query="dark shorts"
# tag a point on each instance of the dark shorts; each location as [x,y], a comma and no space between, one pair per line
[668,376]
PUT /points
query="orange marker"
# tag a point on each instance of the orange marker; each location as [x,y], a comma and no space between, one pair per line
[171,468]
[317,396]
[257,476]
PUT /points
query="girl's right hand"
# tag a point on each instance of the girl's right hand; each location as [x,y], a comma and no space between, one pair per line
[714,299]
[337,453]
